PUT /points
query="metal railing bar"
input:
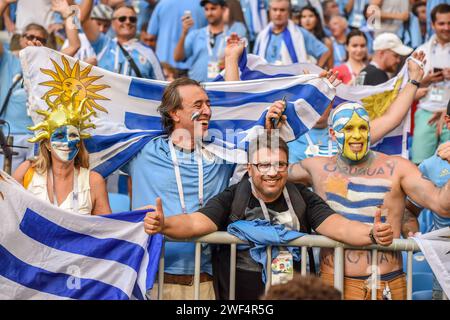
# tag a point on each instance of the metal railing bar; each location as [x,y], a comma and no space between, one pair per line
[232,271]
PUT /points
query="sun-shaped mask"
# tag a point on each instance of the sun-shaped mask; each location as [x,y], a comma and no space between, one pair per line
[73,94]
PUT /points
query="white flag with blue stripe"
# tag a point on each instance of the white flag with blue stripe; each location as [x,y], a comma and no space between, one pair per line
[375,99]
[132,119]
[50,253]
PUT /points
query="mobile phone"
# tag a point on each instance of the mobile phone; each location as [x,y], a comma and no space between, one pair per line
[437,70]
[276,121]
[187,14]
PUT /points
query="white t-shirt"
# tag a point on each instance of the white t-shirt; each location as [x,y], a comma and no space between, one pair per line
[33,11]
[437,57]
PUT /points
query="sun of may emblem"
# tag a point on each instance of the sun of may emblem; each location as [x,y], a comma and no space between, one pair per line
[73,84]
[71,100]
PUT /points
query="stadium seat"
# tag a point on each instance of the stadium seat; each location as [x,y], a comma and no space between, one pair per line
[419,263]
[119,202]
[422,295]
[422,281]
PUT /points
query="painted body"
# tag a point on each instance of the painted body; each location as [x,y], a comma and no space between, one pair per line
[356,192]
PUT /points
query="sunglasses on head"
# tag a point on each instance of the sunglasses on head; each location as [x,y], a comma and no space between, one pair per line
[122,19]
[31,37]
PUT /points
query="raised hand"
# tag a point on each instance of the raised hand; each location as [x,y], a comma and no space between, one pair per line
[187,22]
[154,220]
[415,66]
[331,77]
[276,113]
[235,46]
[382,232]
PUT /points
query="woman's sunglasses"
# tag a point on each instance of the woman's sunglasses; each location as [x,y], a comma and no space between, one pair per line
[31,37]
[122,19]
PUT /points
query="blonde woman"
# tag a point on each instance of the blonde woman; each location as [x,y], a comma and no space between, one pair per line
[60,173]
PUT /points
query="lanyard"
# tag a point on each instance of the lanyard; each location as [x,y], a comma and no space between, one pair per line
[176,167]
[295,221]
[74,191]
[208,43]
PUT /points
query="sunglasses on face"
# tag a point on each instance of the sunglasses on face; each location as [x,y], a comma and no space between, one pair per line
[31,37]
[122,19]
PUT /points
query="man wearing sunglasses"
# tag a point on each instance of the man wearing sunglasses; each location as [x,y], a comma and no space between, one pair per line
[123,54]
[267,195]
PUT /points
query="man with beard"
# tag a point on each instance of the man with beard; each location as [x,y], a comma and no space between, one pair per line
[387,57]
[263,199]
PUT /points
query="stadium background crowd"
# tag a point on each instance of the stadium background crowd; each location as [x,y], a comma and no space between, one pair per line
[365,41]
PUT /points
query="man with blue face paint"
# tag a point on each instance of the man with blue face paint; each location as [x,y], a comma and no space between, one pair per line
[356,183]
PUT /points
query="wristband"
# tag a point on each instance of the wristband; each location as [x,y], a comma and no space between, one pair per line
[372,237]
[414,82]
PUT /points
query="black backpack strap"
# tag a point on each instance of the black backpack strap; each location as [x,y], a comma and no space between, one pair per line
[8,95]
[130,60]
[241,197]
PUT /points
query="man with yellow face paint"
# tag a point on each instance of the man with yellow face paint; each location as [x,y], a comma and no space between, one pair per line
[351,128]
[356,183]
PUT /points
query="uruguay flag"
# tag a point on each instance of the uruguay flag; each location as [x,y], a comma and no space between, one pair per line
[376,99]
[127,107]
[49,253]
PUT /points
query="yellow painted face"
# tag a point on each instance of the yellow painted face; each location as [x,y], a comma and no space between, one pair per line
[356,138]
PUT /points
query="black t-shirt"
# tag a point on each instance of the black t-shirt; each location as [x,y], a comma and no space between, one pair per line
[218,210]
[374,75]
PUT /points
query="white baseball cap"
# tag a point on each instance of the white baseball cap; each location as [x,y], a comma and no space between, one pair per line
[392,42]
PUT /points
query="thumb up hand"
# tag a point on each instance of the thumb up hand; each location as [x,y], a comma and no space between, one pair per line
[382,232]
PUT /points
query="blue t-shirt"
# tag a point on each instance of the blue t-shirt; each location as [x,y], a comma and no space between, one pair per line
[438,171]
[319,137]
[16,110]
[313,46]
[196,50]
[356,16]
[165,23]
[339,53]
[153,175]
[111,57]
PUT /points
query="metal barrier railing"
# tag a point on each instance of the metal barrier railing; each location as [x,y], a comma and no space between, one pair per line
[303,242]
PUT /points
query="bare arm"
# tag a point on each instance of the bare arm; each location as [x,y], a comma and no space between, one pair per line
[181,226]
[299,174]
[89,26]
[323,59]
[356,233]
[62,6]
[85,10]
[399,108]
[19,174]
[349,6]
[3,5]
[233,52]
[423,191]
[99,195]
[410,224]
[178,53]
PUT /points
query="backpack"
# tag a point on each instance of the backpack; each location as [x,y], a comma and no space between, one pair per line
[221,253]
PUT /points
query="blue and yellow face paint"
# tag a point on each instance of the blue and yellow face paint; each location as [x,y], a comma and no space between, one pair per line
[65,142]
[350,121]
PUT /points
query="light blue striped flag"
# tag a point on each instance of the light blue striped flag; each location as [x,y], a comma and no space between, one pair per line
[132,119]
[50,253]
[375,99]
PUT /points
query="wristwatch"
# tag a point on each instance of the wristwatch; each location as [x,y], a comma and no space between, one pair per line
[414,82]
[372,237]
